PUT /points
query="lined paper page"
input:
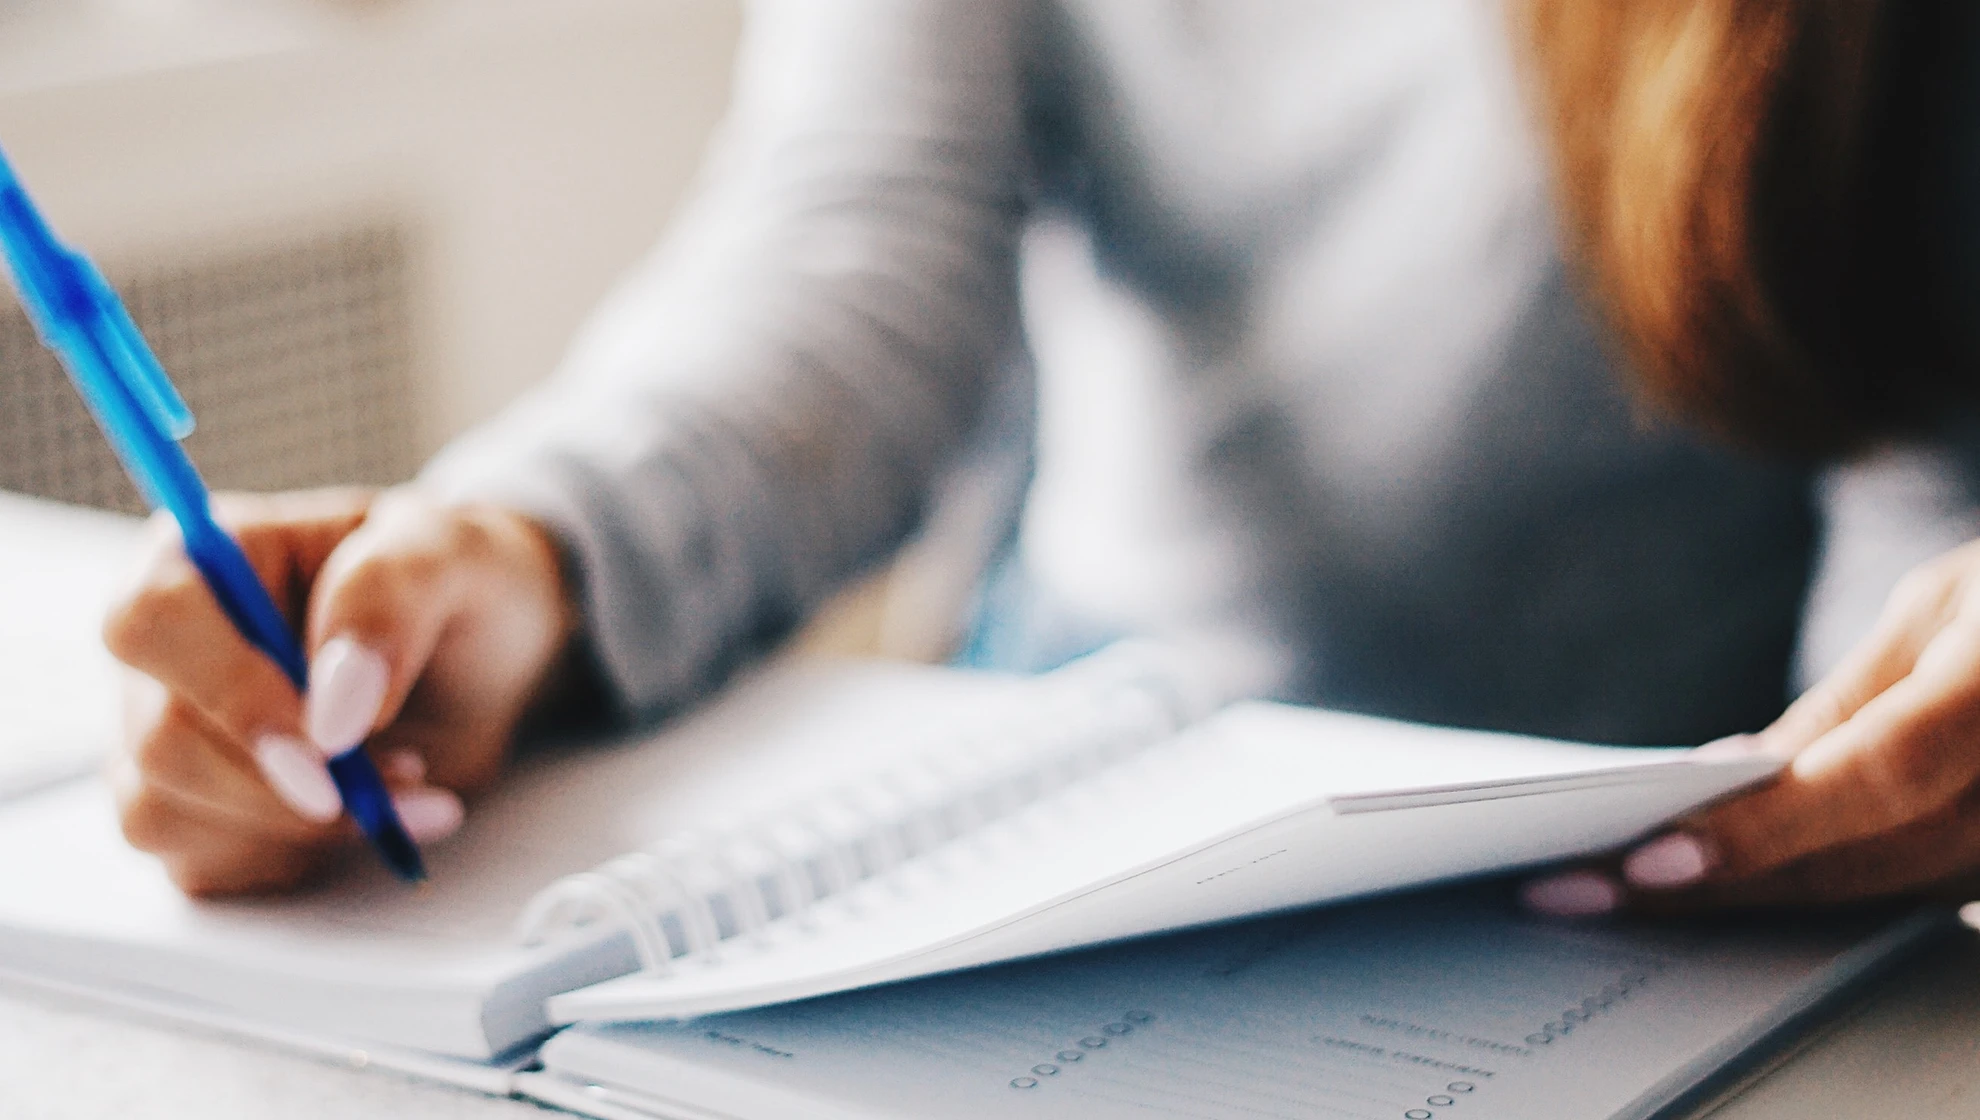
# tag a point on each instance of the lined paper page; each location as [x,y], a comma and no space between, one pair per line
[1445,1005]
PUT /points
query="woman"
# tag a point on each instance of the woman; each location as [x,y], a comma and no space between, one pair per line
[1377,404]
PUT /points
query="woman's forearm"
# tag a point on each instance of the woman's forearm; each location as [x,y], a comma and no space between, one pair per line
[759,410]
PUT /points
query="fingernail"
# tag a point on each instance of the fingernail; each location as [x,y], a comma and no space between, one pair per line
[1677,859]
[1574,894]
[297,775]
[429,814]
[406,767]
[347,685]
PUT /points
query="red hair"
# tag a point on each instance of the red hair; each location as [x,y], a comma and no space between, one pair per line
[1736,178]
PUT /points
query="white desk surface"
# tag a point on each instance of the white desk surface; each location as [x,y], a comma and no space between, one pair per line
[1909,1047]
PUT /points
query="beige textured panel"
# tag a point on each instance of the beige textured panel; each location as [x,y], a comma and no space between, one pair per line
[295,356]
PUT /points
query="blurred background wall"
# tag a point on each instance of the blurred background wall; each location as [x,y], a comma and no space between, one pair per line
[350,227]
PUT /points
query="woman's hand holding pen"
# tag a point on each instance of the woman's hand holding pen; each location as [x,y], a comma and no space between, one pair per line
[431,630]
[1880,795]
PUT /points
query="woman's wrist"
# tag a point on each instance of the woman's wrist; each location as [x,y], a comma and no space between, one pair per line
[573,693]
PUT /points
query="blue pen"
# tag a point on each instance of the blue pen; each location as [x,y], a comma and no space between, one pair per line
[82,320]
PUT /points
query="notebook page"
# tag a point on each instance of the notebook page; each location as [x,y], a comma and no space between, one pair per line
[1442,1006]
[361,956]
[59,567]
[1231,818]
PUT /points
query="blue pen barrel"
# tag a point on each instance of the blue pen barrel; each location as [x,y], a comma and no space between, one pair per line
[37,259]
[81,325]
[154,460]
[371,807]
[171,482]
[238,587]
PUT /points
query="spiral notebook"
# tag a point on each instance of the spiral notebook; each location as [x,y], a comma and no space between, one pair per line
[823,829]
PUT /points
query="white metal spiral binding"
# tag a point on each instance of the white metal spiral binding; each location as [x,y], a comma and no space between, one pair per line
[1088,717]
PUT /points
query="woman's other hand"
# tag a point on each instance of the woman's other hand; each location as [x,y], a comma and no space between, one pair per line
[430,630]
[1881,792]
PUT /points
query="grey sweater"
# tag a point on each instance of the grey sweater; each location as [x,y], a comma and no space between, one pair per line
[1282,277]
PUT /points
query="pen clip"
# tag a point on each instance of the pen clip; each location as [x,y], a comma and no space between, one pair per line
[59,287]
[146,378]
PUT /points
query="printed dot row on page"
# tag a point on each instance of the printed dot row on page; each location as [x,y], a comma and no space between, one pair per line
[1120,1028]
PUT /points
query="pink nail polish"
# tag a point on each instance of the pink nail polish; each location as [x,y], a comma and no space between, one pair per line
[347,685]
[1574,894]
[1677,859]
[430,814]
[297,775]
[405,767]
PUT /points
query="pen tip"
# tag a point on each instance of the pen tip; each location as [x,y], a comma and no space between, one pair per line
[400,854]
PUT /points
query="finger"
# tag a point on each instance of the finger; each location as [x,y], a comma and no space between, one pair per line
[1938,700]
[213,846]
[1910,618]
[378,609]
[1939,857]
[1746,834]
[1579,892]
[171,628]
[204,859]
[428,812]
[285,791]
[287,536]
[1904,756]
[457,745]
[1909,860]
[402,766]
[279,784]
[290,797]
[208,850]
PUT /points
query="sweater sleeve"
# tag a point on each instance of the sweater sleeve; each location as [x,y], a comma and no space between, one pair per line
[1883,515]
[760,409]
